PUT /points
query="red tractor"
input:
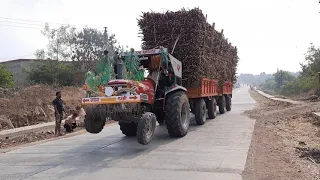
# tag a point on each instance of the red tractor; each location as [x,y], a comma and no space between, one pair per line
[139,105]
[159,97]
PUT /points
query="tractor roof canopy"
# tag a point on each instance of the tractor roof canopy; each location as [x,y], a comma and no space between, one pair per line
[150,57]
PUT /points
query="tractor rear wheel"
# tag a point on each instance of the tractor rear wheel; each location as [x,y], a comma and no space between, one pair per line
[128,128]
[177,114]
[228,103]
[95,119]
[146,128]
[200,111]
[212,108]
[222,105]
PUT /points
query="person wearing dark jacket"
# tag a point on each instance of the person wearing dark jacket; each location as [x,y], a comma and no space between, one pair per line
[58,112]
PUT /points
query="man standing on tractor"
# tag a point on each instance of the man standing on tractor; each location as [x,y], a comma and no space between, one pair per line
[58,112]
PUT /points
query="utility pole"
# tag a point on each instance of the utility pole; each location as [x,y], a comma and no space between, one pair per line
[57,47]
[281,78]
[57,50]
[105,33]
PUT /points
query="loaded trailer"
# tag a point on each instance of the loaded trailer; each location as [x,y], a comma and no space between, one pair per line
[206,98]
[159,97]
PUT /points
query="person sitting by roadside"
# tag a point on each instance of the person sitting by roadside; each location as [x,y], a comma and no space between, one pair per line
[70,122]
[81,113]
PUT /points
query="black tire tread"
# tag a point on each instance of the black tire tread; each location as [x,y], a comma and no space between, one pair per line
[92,116]
[199,111]
[146,118]
[173,105]
[212,108]
[222,105]
[228,103]
[128,129]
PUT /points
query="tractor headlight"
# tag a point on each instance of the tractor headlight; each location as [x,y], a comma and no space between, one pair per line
[108,91]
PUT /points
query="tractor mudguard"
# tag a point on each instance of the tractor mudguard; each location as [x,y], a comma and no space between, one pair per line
[175,88]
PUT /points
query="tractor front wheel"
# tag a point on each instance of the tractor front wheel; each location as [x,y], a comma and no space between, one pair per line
[95,119]
[146,128]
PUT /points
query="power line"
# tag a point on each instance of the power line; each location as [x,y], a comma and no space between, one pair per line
[19,23]
[32,21]
[20,26]
[64,24]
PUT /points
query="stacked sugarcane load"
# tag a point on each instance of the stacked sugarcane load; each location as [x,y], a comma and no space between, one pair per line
[203,51]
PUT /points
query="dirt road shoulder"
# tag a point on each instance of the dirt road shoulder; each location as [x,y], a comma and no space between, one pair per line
[281,131]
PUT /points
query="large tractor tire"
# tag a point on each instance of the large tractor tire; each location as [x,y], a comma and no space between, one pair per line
[128,128]
[177,114]
[146,128]
[212,108]
[222,105]
[95,119]
[200,111]
[228,103]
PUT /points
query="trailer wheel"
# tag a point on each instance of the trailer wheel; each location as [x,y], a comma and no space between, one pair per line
[200,111]
[222,105]
[146,128]
[128,129]
[212,108]
[177,114]
[228,103]
[95,119]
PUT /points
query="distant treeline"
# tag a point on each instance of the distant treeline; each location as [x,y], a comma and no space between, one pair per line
[258,79]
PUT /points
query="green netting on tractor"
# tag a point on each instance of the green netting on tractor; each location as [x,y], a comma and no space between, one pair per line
[132,64]
[103,76]
[131,70]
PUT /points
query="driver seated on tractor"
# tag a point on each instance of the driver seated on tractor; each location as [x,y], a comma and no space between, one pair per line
[153,75]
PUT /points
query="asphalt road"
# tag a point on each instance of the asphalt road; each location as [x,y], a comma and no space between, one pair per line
[216,151]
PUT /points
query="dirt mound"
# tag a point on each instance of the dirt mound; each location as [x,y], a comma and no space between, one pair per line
[32,105]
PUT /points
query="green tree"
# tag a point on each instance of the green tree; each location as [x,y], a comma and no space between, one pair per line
[270,84]
[6,77]
[84,46]
[51,72]
[281,78]
[59,47]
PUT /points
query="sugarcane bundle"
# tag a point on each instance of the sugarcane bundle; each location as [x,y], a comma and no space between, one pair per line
[203,51]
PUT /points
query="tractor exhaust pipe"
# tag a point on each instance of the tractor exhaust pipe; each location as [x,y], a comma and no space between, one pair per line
[118,66]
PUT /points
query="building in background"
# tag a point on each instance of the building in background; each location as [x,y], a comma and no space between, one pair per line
[18,68]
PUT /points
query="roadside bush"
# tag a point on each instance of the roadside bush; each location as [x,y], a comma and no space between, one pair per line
[52,73]
[6,77]
[303,84]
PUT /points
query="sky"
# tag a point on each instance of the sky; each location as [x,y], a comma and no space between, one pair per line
[269,34]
